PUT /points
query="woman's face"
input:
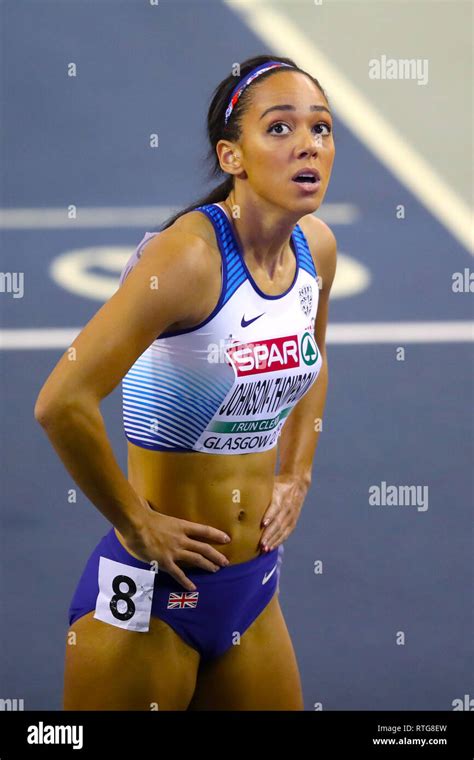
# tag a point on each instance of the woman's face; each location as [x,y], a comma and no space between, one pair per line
[276,144]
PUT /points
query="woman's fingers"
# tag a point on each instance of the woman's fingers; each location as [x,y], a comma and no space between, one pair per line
[273,530]
[212,535]
[197,560]
[180,577]
[207,551]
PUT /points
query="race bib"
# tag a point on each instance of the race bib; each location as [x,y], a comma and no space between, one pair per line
[125,595]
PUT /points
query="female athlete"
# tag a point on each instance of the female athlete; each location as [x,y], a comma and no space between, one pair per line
[217,332]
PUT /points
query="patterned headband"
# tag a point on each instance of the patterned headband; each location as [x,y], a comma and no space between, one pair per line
[238,90]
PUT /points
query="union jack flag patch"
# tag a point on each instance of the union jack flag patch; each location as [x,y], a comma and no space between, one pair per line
[184,599]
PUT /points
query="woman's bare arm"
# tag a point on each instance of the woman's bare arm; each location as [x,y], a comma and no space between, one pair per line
[68,405]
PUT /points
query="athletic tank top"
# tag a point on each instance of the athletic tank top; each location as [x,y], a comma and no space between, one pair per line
[227,385]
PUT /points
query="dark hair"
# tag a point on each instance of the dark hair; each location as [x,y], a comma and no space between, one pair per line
[218,130]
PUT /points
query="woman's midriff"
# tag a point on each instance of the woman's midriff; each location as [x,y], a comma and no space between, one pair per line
[227,492]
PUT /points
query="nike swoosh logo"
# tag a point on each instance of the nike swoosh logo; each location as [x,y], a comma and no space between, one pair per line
[267,577]
[247,322]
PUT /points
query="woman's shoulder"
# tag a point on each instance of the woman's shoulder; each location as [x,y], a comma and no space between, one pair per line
[190,234]
[322,245]
[196,223]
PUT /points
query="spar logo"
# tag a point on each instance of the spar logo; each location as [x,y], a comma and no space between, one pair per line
[309,349]
[265,356]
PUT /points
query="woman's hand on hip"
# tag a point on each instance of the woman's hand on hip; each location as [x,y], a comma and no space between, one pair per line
[168,540]
[282,514]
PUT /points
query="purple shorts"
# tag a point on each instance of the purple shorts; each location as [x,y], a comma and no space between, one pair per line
[124,591]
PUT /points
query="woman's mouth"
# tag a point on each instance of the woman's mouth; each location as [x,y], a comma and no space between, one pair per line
[309,185]
[308,179]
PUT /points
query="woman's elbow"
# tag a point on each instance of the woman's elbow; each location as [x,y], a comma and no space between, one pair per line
[51,405]
[44,411]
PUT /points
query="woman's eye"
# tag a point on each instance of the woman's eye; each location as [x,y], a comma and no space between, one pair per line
[278,124]
[318,127]
[325,126]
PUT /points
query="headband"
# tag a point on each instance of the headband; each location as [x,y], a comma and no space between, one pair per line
[238,90]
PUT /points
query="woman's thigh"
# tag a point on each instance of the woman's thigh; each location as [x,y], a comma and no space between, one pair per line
[109,668]
[260,673]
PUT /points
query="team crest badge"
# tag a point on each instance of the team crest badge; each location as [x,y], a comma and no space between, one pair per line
[306,299]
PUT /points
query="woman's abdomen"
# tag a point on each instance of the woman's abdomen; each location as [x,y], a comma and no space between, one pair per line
[230,493]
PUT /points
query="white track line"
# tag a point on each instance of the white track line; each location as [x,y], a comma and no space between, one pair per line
[401,332]
[283,36]
[129,216]
[342,334]
[87,216]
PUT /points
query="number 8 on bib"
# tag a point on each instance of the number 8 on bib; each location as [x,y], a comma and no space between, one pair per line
[125,595]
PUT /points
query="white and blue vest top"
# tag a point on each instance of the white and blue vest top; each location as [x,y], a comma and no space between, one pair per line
[227,385]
